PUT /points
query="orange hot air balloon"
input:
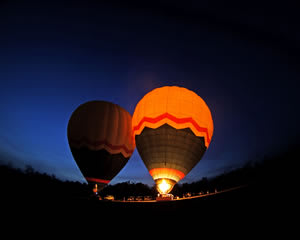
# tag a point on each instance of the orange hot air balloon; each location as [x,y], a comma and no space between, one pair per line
[100,138]
[172,127]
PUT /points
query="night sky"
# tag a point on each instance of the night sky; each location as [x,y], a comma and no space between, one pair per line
[243,60]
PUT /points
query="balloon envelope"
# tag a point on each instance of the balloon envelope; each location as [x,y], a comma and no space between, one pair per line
[173,128]
[101,141]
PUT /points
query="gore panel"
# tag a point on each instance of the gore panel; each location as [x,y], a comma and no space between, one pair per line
[167,147]
[98,164]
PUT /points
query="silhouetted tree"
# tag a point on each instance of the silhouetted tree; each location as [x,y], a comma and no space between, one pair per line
[271,175]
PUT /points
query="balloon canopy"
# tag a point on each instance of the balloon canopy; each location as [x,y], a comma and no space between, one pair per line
[172,127]
[101,141]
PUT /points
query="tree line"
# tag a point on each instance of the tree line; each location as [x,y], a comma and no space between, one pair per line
[272,174]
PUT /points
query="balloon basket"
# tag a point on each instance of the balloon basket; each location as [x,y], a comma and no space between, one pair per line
[164,197]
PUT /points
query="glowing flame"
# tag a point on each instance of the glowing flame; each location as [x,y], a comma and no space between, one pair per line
[95,189]
[164,187]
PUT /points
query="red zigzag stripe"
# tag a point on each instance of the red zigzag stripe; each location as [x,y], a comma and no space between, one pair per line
[97,143]
[97,180]
[174,119]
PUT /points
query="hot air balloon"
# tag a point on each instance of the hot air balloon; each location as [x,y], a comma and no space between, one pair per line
[172,127]
[100,139]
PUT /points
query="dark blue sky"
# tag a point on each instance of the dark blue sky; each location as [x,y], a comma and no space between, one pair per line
[56,56]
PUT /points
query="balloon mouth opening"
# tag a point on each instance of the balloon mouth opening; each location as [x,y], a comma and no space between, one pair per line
[164,185]
[96,187]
